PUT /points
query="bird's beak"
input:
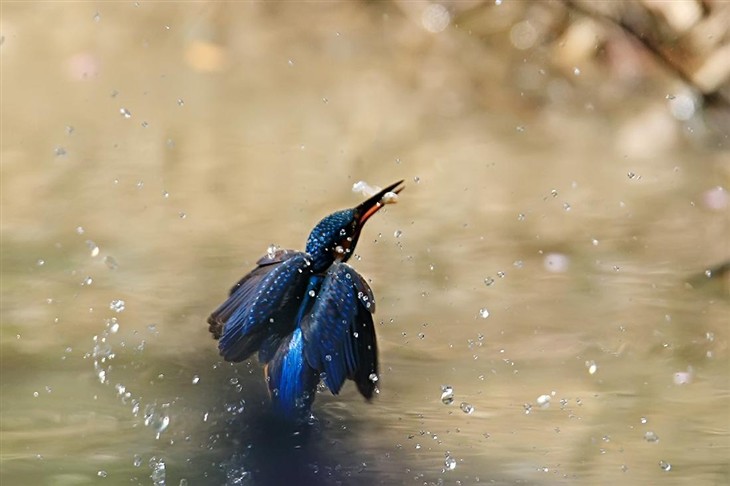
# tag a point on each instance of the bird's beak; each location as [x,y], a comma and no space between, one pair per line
[374,203]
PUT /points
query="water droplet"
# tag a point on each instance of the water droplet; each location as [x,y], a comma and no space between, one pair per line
[125,112]
[666,467]
[449,462]
[521,217]
[520,128]
[102,474]
[158,471]
[467,408]
[373,377]
[683,377]
[180,102]
[650,436]
[447,394]
[93,247]
[165,194]
[117,305]
[182,215]
[416,179]
[196,379]
[592,367]
[643,420]
[271,251]
[682,106]
[556,262]
[110,262]
[87,281]
[484,312]
[594,242]
[328,357]
[161,425]
[489,281]
[101,349]
[35,394]
[500,274]
[397,233]
[576,71]
[145,124]
[137,460]
[114,327]
[312,293]
[566,206]
[40,262]
[69,129]
[543,401]
[59,151]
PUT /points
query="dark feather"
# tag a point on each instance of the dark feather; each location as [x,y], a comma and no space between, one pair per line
[339,336]
[262,306]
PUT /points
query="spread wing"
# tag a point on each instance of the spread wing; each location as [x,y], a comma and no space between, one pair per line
[262,306]
[338,331]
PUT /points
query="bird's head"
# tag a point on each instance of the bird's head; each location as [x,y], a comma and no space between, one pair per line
[334,238]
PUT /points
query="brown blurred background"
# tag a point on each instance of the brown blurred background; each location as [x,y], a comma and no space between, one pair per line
[558,258]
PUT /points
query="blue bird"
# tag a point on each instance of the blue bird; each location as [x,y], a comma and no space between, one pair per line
[307,314]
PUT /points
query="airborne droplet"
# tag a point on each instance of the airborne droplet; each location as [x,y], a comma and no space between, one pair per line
[467,408]
[117,305]
[447,394]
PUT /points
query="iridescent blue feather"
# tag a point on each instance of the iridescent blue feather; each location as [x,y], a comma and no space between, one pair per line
[262,307]
[339,336]
[292,382]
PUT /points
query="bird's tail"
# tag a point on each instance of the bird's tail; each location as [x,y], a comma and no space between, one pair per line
[292,382]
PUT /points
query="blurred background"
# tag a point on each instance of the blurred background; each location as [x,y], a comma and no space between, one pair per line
[553,287]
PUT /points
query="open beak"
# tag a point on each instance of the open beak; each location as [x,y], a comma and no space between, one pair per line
[366,209]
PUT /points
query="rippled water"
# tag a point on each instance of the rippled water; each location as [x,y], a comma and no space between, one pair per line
[543,316]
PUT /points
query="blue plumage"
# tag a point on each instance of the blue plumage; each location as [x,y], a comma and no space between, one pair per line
[308,314]
[340,320]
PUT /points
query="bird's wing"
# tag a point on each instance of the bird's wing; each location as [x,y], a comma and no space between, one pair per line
[338,332]
[262,306]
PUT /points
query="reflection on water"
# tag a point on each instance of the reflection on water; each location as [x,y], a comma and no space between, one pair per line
[542,314]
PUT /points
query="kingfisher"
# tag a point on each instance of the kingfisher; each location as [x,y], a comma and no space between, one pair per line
[307,314]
